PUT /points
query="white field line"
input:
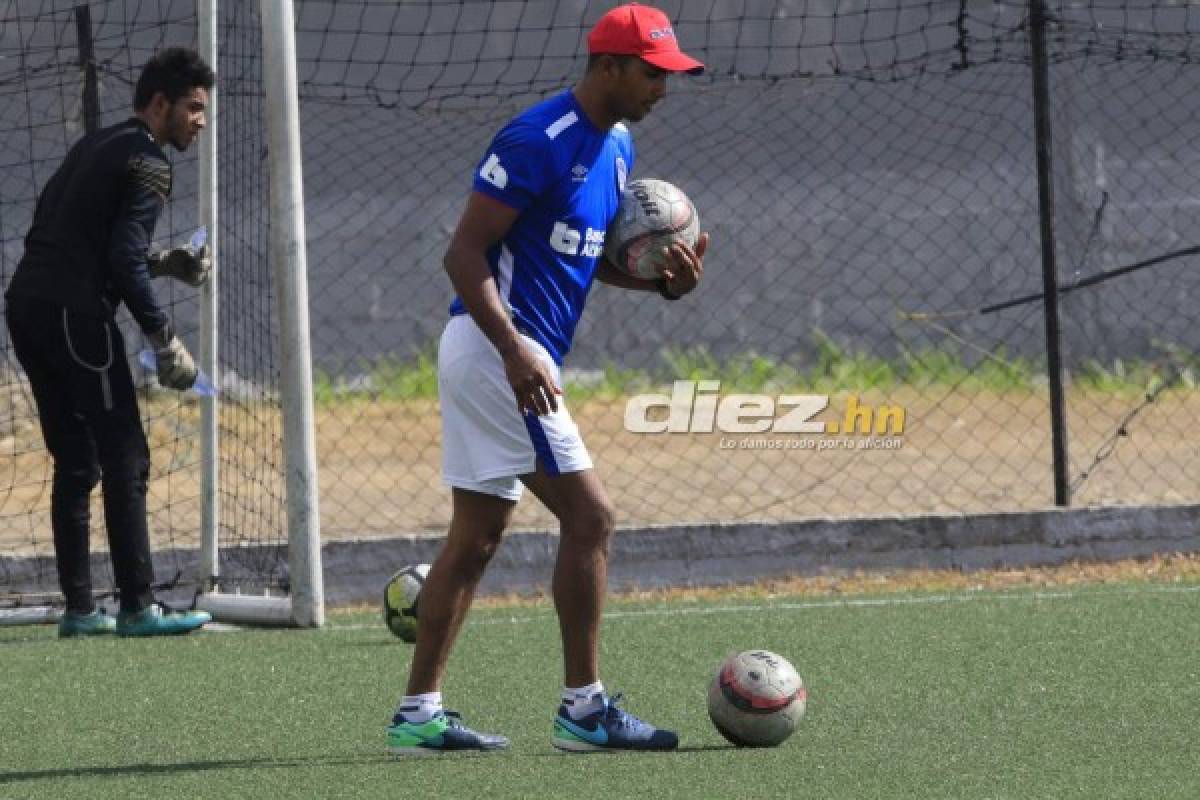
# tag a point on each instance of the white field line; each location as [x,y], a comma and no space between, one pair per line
[809,605]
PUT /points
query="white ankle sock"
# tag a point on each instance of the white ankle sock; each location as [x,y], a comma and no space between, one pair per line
[584,700]
[418,708]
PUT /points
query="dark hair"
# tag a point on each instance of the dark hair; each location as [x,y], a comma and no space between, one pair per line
[621,60]
[174,72]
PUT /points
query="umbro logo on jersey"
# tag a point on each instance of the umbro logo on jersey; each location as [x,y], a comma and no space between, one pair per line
[579,173]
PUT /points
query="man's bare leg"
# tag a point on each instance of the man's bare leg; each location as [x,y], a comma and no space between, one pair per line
[586,524]
[476,526]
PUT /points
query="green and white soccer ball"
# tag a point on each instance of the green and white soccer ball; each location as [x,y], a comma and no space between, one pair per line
[652,215]
[400,598]
[756,699]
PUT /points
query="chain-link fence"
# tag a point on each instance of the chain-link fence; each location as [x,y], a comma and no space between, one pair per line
[868,173]
[863,168]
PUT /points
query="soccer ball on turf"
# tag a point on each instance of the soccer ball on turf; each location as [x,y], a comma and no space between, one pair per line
[756,699]
[652,215]
[400,601]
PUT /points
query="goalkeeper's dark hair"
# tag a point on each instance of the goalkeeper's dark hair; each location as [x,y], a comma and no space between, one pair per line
[174,72]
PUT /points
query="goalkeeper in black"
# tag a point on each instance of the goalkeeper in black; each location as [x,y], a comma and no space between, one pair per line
[86,253]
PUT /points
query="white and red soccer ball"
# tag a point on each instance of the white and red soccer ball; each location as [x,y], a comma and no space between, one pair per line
[756,698]
[652,215]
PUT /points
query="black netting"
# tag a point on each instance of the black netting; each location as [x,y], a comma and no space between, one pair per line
[867,171]
[856,164]
[42,83]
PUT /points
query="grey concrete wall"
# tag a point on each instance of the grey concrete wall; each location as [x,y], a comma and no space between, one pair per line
[728,553]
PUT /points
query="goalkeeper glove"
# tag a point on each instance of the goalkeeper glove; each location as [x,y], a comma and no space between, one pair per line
[176,369]
[182,263]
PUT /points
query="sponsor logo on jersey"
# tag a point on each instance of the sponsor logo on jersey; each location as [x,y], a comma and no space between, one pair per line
[493,173]
[570,242]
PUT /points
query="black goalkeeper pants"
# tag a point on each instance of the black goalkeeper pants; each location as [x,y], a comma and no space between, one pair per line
[88,409]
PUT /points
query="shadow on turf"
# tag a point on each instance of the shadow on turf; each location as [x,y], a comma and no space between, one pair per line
[696,748]
[125,770]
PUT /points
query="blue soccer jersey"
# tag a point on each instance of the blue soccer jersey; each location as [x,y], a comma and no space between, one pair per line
[564,176]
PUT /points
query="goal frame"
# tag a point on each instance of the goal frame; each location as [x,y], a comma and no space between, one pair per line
[305,605]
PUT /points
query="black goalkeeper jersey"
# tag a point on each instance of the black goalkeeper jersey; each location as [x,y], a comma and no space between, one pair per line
[93,224]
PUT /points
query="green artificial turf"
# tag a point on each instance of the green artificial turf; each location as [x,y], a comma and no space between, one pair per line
[1091,692]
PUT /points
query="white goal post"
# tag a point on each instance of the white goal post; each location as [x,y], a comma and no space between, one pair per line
[305,606]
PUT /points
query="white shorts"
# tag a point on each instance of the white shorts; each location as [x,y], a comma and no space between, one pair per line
[486,442]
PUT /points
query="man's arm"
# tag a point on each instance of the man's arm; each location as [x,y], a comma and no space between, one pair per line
[484,223]
[679,272]
[609,275]
[148,181]
[148,184]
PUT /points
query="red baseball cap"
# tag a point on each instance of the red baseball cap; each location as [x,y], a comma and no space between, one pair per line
[636,30]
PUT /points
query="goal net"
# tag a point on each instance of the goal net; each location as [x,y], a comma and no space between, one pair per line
[868,171]
[67,68]
[857,163]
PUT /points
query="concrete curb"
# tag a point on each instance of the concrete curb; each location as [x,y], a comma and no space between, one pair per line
[724,553]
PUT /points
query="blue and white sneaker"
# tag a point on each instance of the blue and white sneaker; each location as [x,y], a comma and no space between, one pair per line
[444,733]
[157,620]
[611,728]
[96,623]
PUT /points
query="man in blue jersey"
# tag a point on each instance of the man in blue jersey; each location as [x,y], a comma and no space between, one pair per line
[522,260]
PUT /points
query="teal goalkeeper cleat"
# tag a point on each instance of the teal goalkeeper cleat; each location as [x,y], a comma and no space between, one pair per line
[609,729]
[97,623]
[154,621]
[445,733]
